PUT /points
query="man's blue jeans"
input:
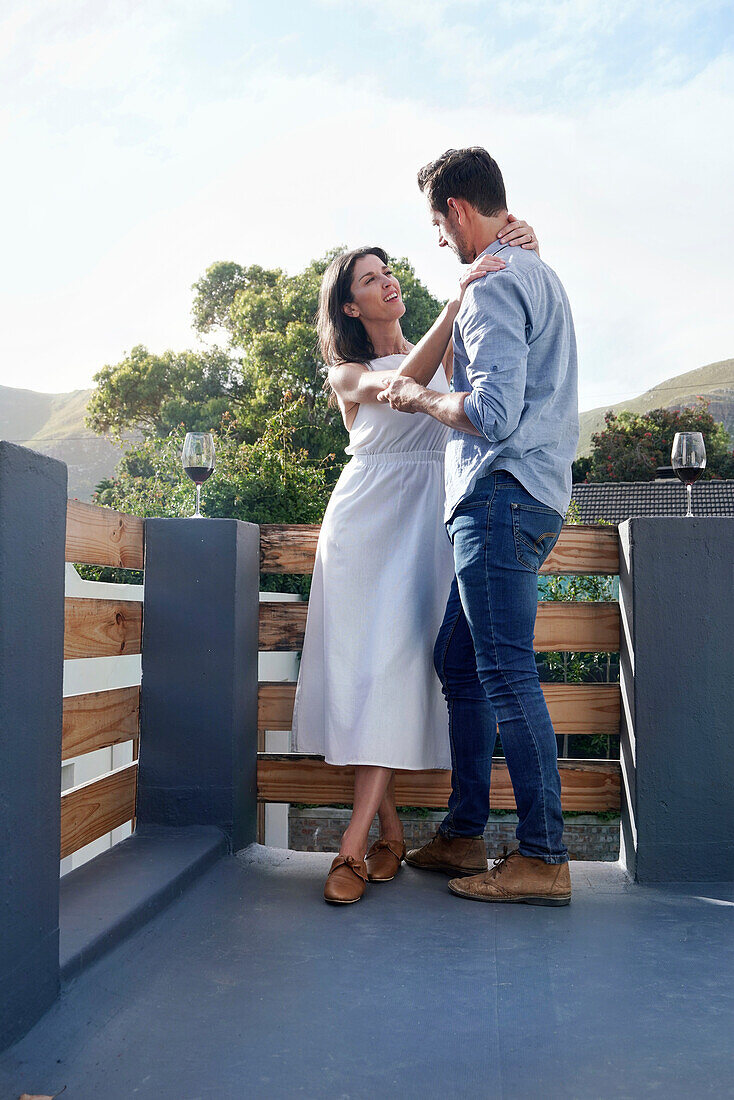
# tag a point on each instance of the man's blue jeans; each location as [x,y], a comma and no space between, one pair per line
[484,658]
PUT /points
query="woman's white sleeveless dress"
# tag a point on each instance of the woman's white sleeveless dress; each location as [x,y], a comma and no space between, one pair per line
[367,690]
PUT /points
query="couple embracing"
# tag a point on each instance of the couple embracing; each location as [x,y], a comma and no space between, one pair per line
[418,645]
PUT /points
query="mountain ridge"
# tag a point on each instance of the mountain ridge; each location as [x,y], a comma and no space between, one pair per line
[53,423]
[714,382]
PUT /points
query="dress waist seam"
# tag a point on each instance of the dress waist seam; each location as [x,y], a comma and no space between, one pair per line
[371,459]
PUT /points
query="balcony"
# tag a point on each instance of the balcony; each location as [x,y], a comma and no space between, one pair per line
[189,961]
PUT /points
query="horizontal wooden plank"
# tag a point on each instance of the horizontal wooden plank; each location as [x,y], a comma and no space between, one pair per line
[592,785]
[578,709]
[93,809]
[100,536]
[282,626]
[288,547]
[99,719]
[581,549]
[575,627]
[275,705]
[574,708]
[102,628]
[582,627]
[584,549]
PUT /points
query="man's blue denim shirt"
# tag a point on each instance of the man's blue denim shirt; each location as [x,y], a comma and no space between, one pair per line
[515,350]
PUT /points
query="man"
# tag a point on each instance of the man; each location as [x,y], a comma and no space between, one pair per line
[513,408]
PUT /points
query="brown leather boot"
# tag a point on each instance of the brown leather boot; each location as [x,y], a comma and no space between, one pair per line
[518,878]
[457,855]
[383,860]
[346,881]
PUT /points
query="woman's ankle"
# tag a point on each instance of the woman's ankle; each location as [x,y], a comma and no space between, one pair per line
[392,829]
[353,845]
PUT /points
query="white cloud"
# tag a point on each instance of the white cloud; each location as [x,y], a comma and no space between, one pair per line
[630,195]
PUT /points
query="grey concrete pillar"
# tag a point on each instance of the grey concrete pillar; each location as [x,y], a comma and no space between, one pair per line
[677,678]
[198,721]
[32,534]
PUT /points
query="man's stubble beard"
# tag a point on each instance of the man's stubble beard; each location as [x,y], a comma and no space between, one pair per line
[461,250]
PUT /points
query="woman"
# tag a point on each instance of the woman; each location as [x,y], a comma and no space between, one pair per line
[367,692]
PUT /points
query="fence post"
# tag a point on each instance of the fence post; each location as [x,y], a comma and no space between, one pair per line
[677,749]
[198,735]
[32,535]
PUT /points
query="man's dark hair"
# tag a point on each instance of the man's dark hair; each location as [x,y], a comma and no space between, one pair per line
[468,174]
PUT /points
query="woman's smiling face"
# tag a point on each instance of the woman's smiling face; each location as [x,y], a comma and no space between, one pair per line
[375,292]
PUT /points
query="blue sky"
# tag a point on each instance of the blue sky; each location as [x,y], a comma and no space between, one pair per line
[143,141]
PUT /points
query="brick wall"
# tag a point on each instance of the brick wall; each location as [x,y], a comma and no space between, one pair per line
[320,829]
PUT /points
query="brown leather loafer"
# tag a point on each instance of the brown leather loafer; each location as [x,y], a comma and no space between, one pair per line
[346,881]
[518,878]
[383,860]
[457,855]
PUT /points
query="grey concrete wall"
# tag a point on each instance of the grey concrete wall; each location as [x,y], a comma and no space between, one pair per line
[32,535]
[198,722]
[676,670]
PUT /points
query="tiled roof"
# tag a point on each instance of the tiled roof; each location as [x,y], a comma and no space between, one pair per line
[615,501]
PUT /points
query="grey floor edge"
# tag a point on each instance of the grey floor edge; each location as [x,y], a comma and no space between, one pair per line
[107,899]
[248,985]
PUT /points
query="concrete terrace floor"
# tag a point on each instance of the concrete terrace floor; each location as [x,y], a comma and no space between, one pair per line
[250,986]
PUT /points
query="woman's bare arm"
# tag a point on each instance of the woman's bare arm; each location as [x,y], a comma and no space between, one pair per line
[422,362]
[356,384]
[448,361]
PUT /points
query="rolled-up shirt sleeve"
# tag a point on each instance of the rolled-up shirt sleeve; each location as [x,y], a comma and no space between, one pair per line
[494,328]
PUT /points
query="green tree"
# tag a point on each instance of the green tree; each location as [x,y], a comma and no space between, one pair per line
[215,292]
[580,469]
[268,481]
[266,319]
[633,445]
[154,394]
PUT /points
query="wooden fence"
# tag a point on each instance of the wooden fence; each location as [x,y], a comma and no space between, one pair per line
[100,628]
[578,709]
[108,627]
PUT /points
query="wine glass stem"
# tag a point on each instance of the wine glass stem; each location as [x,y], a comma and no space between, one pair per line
[689,492]
[197,513]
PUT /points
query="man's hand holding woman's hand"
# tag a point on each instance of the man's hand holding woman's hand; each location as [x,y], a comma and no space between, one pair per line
[402,392]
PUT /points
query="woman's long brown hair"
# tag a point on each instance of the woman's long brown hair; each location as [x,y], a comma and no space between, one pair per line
[342,339]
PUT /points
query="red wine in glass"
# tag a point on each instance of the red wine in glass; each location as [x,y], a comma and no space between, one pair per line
[197,459]
[688,459]
[688,474]
[198,474]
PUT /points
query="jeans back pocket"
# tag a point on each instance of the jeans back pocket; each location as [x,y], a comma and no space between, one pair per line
[536,530]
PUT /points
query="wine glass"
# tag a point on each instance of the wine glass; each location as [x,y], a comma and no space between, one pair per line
[197,457]
[688,459]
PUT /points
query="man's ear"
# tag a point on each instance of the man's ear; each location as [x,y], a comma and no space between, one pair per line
[453,208]
[458,209]
[350,309]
